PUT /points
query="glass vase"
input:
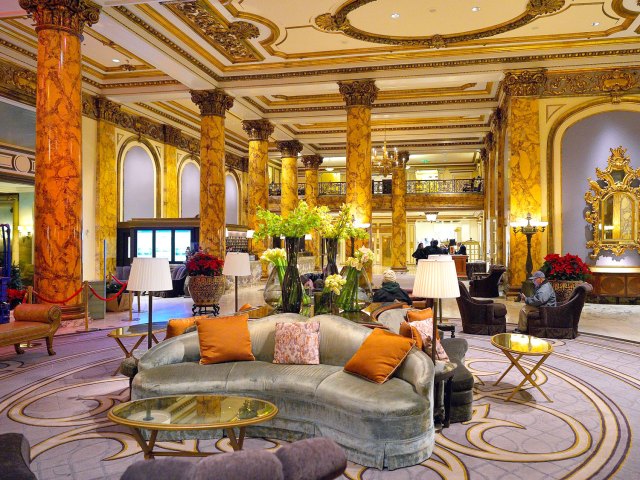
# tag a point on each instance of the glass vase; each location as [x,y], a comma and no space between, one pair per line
[356,292]
[327,304]
[292,289]
[273,287]
[331,249]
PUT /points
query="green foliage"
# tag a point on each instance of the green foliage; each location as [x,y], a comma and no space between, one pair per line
[298,223]
[16,278]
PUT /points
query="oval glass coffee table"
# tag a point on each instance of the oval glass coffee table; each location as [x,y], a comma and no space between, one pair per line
[191,412]
[521,346]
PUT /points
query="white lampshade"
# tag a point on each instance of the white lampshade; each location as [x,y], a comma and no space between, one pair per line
[436,277]
[150,275]
[237,264]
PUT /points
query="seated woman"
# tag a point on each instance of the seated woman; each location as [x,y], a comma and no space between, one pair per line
[390,290]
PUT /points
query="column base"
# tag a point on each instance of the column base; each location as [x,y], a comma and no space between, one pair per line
[400,269]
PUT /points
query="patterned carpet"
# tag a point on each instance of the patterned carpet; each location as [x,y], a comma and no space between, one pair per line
[60,403]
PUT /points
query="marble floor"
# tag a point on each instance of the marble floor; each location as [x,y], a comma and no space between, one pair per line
[618,321]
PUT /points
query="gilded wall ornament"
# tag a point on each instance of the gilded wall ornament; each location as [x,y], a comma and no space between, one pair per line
[67,15]
[258,129]
[289,148]
[312,162]
[212,102]
[231,160]
[613,82]
[107,110]
[524,83]
[18,82]
[339,22]
[358,92]
[229,39]
[614,200]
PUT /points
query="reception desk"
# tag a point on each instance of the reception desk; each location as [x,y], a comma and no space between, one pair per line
[461,264]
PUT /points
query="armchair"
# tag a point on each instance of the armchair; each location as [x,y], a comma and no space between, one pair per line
[562,320]
[481,317]
[487,286]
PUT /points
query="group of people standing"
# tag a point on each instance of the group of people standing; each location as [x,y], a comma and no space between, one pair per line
[433,248]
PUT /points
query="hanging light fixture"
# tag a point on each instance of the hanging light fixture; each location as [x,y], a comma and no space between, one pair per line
[386,160]
[431,216]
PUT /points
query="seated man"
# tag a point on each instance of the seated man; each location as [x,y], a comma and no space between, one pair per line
[542,295]
[390,290]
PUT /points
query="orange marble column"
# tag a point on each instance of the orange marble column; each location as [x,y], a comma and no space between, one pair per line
[213,105]
[58,177]
[359,96]
[289,151]
[311,165]
[399,213]
[258,132]
[106,185]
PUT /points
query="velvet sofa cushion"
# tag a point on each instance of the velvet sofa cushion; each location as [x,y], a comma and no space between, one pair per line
[224,339]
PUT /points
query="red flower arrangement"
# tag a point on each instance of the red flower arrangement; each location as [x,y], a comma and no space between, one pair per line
[15,297]
[202,263]
[567,267]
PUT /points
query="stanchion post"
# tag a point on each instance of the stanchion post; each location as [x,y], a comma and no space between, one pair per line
[85,286]
[131,306]
[29,294]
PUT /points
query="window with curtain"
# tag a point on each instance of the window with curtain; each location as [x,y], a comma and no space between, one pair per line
[190,190]
[139,179]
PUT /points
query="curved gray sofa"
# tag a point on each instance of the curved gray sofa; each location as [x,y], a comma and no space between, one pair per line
[381,426]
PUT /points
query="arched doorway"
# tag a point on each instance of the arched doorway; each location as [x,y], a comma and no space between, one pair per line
[189,189]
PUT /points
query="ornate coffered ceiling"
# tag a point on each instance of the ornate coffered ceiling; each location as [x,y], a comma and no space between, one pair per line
[438,64]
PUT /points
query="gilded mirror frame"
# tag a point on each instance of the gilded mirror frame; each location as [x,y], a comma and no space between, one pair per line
[617,180]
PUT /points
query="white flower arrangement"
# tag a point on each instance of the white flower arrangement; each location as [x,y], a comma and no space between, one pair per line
[363,257]
[277,256]
[334,284]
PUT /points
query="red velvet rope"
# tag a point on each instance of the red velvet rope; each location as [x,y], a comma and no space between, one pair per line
[119,282]
[60,302]
[122,289]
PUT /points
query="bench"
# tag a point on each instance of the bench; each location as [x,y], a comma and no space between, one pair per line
[32,322]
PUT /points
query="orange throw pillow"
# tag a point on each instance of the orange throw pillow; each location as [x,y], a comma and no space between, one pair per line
[417,315]
[224,339]
[379,356]
[246,306]
[406,330]
[177,326]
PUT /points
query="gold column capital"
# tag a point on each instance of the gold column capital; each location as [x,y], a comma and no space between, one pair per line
[358,92]
[525,83]
[258,129]
[289,148]
[212,102]
[489,141]
[66,15]
[312,162]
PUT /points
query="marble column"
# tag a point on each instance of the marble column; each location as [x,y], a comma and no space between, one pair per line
[58,177]
[213,105]
[106,185]
[311,165]
[170,204]
[399,213]
[289,151]
[258,132]
[525,183]
[489,188]
[359,96]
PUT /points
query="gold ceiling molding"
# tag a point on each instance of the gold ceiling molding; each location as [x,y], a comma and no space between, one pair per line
[66,15]
[382,124]
[170,108]
[340,23]
[148,83]
[17,83]
[164,114]
[524,83]
[396,129]
[471,142]
[230,39]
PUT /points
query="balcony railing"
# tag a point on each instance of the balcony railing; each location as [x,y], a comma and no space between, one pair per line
[383,187]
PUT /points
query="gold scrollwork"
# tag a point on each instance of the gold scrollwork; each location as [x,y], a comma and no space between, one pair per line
[613,200]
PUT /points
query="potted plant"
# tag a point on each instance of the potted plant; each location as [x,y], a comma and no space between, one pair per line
[206,282]
[300,221]
[564,273]
[120,304]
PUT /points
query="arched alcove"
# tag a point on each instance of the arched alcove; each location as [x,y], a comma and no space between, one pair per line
[232,199]
[138,174]
[189,189]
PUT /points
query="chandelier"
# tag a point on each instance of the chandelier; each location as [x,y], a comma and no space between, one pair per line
[386,160]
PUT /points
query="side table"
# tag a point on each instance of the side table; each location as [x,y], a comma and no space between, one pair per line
[443,383]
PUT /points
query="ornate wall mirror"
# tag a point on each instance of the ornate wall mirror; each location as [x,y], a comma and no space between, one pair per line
[614,201]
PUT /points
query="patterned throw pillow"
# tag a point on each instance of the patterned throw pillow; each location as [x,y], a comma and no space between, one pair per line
[297,343]
[425,327]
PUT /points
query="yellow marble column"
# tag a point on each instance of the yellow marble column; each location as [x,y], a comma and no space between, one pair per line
[500,209]
[525,183]
[399,213]
[170,173]
[359,96]
[58,177]
[289,151]
[311,165]
[213,105]
[258,132]
[106,185]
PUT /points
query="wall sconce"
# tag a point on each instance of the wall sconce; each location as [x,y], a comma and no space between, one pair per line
[25,230]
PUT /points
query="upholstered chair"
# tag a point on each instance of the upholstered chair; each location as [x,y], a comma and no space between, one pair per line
[481,317]
[562,320]
[487,286]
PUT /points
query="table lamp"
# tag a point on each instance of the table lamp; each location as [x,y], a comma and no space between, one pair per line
[150,275]
[436,278]
[237,264]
